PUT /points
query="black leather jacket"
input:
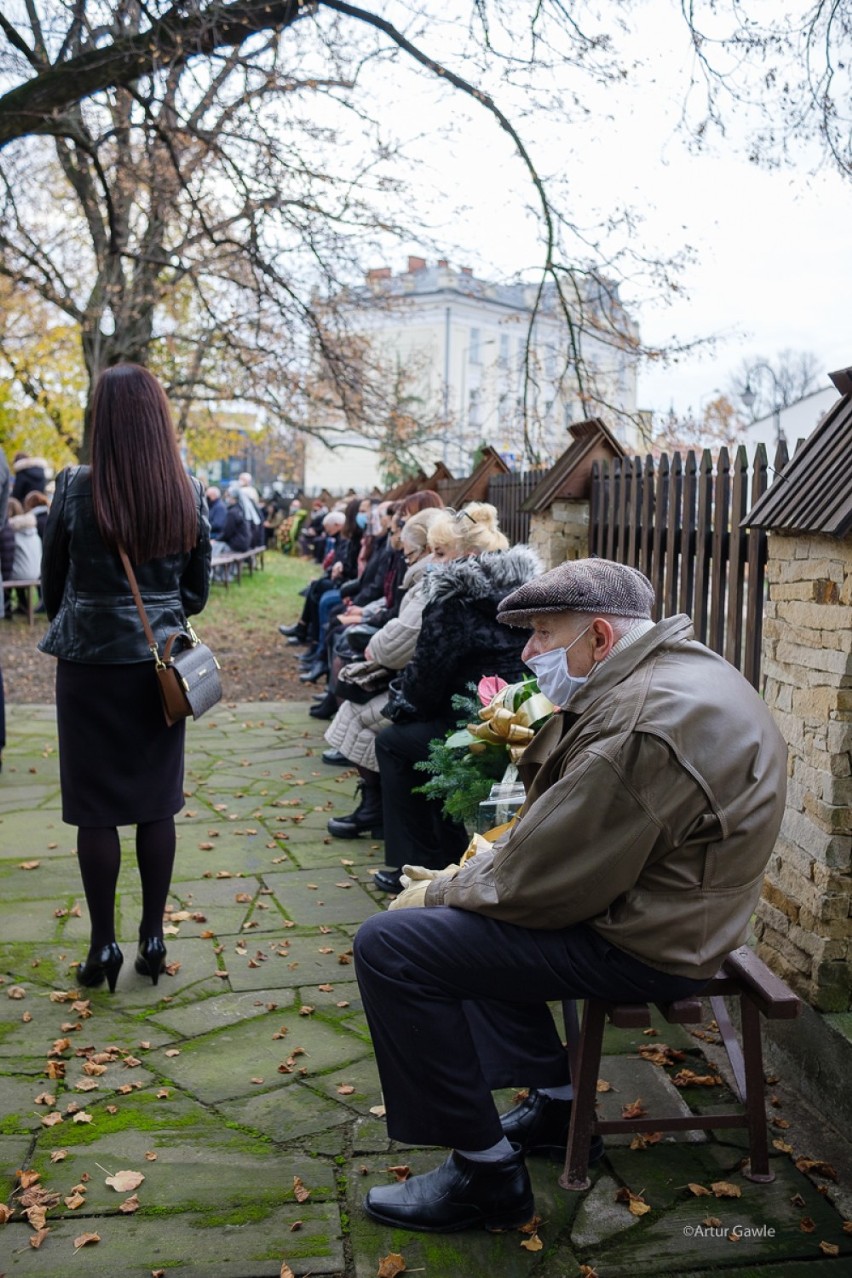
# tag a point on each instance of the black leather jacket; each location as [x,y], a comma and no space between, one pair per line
[87,595]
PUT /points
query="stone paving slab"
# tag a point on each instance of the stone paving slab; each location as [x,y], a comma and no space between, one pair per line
[229,1131]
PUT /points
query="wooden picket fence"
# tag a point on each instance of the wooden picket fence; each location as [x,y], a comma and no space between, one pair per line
[678,519]
[507,493]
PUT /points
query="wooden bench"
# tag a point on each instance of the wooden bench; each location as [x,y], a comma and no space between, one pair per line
[759,992]
[250,559]
[29,584]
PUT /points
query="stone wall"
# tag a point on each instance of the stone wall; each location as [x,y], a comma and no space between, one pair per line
[803,921]
[561,532]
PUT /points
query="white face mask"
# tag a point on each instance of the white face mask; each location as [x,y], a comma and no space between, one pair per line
[554,678]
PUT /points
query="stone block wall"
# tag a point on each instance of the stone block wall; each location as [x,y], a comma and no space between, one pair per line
[561,532]
[803,924]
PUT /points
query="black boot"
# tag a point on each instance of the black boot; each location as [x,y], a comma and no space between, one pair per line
[326,708]
[460,1194]
[367,816]
[539,1125]
[298,631]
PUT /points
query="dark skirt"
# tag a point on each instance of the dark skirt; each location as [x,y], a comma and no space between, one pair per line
[119,762]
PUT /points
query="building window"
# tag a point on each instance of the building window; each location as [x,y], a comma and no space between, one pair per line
[473,410]
[474,354]
[504,350]
[550,361]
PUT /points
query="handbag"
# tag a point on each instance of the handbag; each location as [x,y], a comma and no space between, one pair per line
[187,672]
[360,681]
[398,708]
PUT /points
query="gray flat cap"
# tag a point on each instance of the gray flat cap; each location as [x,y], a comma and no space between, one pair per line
[581,585]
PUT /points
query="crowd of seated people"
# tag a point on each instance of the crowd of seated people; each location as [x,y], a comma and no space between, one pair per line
[412,588]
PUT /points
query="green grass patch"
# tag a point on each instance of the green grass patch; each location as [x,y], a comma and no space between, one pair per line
[264,599]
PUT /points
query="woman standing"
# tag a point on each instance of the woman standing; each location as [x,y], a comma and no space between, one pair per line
[119,762]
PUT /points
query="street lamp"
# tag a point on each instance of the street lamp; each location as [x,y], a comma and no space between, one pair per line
[749,396]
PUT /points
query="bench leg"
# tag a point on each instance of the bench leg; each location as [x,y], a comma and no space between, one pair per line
[758,1164]
[585,1079]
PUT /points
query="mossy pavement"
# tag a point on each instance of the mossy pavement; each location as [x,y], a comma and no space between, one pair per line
[243,1087]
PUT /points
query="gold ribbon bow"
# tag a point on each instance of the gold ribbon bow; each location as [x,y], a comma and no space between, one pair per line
[508,725]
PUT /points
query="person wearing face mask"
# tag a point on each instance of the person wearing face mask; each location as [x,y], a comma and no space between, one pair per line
[653,801]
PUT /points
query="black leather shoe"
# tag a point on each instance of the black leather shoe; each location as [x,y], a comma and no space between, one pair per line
[151,958]
[539,1125]
[325,708]
[460,1194]
[316,672]
[388,880]
[295,631]
[99,966]
[296,642]
[335,758]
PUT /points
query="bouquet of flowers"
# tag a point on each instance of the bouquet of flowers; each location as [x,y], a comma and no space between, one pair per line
[466,764]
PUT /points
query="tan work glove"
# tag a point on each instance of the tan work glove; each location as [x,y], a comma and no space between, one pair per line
[415,880]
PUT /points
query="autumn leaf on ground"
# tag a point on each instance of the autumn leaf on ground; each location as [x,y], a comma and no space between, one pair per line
[643,1139]
[783,1146]
[531,1227]
[129,1205]
[151,1155]
[603,1086]
[16,991]
[634,1110]
[660,1054]
[378,1110]
[124,1182]
[58,1155]
[712,1222]
[82,1117]
[73,1201]
[806,1225]
[83,1240]
[724,1189]
[847,1226]
[390,1265]
[817,1166]
[37,1239]
[588,1271]
[300,1193]
[36,1216]
[345,1089]
[698,1190]
[285,1271]
[688,1078]
[829,1249]
[29,865]
[636,1204]
[797,1201]
[6,1213]
[50,1120]
[534,1243]
[402,1171]
[27,1178]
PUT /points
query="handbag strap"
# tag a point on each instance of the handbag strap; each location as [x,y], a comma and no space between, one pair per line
[137,597]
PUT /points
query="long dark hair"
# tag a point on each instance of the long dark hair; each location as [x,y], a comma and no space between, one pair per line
[351,531]
[142,496]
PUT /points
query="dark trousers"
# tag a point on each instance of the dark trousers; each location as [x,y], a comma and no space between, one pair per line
[457,1006]
[415,831]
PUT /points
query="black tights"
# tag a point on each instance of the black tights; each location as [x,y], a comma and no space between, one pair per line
[99,854]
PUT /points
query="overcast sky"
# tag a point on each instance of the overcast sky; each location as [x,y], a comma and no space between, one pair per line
[770,250]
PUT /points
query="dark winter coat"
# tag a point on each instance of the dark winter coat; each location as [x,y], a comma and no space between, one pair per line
[217,511]
[236,533]
[86,592]
[460,637]
[30,477]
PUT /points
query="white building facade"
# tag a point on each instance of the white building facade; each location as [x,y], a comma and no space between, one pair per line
[478,372]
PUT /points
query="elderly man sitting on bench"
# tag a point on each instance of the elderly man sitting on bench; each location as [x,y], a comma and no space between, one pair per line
[654,798]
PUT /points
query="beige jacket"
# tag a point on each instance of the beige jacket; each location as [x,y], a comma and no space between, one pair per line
[652,809]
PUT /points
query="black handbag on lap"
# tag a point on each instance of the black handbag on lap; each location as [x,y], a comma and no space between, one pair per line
[360,681]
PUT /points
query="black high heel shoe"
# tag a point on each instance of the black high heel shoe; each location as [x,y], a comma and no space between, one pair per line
[101,964]
[151,958]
